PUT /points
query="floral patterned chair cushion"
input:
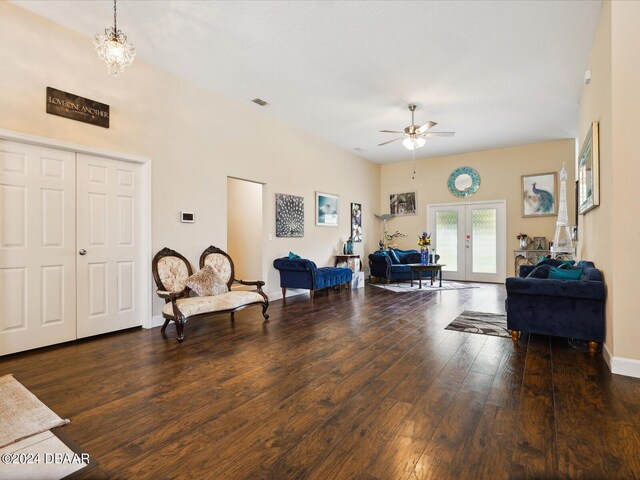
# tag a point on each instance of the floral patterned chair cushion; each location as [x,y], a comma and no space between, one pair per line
[173,273]
[220,264]
[225,301]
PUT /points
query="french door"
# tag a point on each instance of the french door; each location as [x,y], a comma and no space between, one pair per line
[470,239]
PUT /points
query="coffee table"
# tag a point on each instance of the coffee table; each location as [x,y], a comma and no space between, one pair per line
[432,267]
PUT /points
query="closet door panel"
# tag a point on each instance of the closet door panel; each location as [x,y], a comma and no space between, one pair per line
[108,193]
[37,247]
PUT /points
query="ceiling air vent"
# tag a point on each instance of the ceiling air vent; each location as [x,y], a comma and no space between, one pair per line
[259,101]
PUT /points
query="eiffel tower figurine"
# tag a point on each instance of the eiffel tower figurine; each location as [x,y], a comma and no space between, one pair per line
[563,247]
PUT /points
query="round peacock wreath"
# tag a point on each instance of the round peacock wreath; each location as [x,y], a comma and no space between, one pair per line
[463,182]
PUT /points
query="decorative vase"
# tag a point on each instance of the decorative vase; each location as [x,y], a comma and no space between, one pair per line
[424,256]
[349,247]
[524,243]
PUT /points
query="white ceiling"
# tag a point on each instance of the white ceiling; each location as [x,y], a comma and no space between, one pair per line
[498,73]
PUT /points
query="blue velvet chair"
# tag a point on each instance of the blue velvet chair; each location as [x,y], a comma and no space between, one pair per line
[561,308]
[392,265]
[306,275]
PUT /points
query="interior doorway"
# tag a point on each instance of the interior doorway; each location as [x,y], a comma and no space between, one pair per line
[244,227]
[470,239]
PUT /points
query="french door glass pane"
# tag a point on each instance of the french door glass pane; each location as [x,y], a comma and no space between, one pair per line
[447,239]
[484,234]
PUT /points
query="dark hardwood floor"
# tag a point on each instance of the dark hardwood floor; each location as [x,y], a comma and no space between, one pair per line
[365,384]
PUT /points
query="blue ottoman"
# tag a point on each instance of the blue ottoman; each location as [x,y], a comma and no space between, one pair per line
[305,274]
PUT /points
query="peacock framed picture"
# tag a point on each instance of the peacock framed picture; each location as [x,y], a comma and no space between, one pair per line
[539,195]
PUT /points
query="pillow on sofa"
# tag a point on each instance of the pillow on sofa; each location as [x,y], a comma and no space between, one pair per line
[541,271]
[568,265]
[565,273]
[207,282]
[394,257]
[554,263]
[293,256]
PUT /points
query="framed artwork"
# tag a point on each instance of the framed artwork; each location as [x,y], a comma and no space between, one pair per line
[589,171]
[539,195]
[540,243]
[289,215]
[326,210]
[356,222]
[402,204]
[577,202]
[463,182]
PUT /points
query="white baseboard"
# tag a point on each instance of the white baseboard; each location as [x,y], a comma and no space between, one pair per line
[628,367]
[606,354]
[291,292]
[156,321]
[625,366]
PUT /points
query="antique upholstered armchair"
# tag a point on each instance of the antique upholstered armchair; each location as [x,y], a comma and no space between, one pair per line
[172,273]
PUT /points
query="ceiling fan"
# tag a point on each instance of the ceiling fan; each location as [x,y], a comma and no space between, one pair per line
[414,135]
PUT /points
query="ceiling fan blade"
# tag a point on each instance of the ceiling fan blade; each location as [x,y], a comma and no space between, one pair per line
[438,134]
[426,127]
[384,143]
[390,131]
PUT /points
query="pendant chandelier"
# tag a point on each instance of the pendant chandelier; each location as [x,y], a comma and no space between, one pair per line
[113,48]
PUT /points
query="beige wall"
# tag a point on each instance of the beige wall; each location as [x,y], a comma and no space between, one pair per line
[500,179]
[244,227]
[595,105]
[192,137]
[611,231]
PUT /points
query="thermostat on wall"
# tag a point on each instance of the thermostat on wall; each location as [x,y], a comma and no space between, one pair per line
[187,217]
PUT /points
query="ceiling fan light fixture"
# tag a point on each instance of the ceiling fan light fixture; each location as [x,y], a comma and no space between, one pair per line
[414,136]
[413,142]
[113,48]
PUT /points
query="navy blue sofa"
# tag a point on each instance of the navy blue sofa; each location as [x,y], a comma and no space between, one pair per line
[561,308]
[383,265]
[305,274]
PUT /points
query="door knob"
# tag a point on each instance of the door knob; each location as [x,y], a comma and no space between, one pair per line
[82,252]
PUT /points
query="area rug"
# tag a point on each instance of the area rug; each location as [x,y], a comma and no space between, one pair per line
[426,286]
[493,324]
[23,415]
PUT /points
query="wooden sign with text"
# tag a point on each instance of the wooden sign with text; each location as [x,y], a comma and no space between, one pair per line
[72,106]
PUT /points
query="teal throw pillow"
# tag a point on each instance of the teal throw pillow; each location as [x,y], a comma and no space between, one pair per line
[293,256]
[567,264]
[540,272]
[558,273]
[394,257]
[554,262]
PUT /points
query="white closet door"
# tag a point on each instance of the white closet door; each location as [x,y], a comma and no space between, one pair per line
[37,247]
[108,241]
